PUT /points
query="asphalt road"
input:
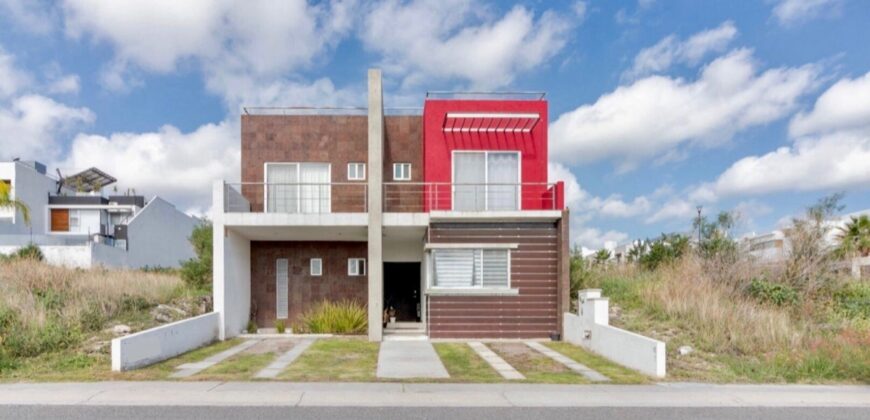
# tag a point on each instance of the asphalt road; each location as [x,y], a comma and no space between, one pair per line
[387,413]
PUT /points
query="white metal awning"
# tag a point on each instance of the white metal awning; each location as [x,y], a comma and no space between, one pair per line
[490,122]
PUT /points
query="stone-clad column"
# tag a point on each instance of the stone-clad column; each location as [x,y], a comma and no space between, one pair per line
[375,203]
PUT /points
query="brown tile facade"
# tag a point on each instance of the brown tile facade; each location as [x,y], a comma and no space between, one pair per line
[334,139]
[534,313]
[304,290]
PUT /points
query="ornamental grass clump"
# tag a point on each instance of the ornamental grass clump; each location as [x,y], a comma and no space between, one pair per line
[341,317]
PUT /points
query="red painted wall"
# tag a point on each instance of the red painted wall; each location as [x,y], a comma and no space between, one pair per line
[439,145]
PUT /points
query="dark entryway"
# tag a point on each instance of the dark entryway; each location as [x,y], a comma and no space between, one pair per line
[402,290]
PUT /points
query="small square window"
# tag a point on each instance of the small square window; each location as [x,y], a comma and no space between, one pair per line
[401,172]
[356,171]
[356,266]
[316,268]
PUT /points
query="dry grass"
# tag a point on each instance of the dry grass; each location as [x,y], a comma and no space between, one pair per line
[724,321]
[38,292]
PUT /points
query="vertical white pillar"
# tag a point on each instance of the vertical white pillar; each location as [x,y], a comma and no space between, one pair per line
[375,203]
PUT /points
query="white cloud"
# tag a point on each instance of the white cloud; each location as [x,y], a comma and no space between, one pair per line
[458,39]
[180,167]
[654,115]
[66,84]
[671,50]
[789,12]
[31,123]
[12,79]
[29,15]
[831,150]
[595,238]
[580,7]
[260,39]
[673,209]
[832,161]
[845,105]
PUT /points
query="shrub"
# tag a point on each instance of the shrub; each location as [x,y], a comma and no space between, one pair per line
[196,272]
[343,317]
[281,326]
[853,301]
[776,293]
[665,250]
[27,252]
[252,327]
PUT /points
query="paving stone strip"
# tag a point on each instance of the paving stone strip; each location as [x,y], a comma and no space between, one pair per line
[190,369]
[500,365]
[409,359]
[284,360]
[570,363]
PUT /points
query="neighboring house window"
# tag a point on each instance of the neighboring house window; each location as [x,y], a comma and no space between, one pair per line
[471,268]
[282,292]
[401,172]
[298,187]
[75,220]
[316,267]
[356,171]
[356,266]
[486,181]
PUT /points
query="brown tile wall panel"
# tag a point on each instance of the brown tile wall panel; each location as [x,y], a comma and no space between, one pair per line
[534,313]
[304,290]
[403,144]
[334,139]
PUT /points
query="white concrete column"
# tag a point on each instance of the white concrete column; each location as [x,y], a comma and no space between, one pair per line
[594,308]
[375,204]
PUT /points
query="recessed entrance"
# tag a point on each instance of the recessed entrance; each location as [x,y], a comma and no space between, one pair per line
[402,290]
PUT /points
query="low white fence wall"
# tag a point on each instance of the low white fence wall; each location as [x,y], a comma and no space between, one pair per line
[157,344]
[590,328]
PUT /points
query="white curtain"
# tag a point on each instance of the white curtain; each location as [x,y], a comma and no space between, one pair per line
[282,195]
[502,181]
[454,267]
[469,176]
[315,198]
[495,268]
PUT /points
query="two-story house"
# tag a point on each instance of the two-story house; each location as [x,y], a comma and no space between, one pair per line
[76,225]
[444,221]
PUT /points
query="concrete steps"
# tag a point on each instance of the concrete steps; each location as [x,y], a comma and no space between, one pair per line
[405,331]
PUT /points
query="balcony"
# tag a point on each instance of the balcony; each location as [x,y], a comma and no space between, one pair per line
[398,197]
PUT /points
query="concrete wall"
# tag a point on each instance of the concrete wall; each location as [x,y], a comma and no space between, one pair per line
[157,344]
[590,329]
[231,272]
[158,236]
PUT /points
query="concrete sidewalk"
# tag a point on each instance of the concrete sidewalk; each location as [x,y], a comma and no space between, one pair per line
[430,395]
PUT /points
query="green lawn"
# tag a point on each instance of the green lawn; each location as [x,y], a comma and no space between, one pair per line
[337,359]
[240,367]
[616,373]
[464,365]
[536,367]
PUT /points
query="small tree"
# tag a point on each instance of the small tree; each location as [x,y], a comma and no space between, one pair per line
[810,260]
[667,249]
[7,202]
[602,256]
[716,242]
[581,275]
[197,272]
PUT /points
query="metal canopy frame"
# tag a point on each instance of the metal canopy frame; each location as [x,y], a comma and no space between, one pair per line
[90,179]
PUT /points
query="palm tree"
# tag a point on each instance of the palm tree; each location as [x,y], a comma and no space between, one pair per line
[854,238]
[602,256]
[7,202]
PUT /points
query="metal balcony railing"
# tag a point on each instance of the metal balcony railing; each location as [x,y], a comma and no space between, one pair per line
[400,197]
[301,198]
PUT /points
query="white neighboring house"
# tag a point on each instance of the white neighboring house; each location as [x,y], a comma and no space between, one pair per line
[75,225]
[775,246]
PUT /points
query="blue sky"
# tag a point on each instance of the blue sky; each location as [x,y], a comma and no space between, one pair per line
[655,106]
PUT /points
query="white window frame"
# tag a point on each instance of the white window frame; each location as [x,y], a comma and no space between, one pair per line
[311,265]
[353,270]
[478,253]
[298,184]
[359,171]
[486,176]
[402,176]
[76,215]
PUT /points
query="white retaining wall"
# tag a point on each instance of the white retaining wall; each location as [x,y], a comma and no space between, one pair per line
[160,343]
[590,328]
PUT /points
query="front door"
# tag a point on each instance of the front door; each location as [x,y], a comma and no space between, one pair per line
[402,290]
